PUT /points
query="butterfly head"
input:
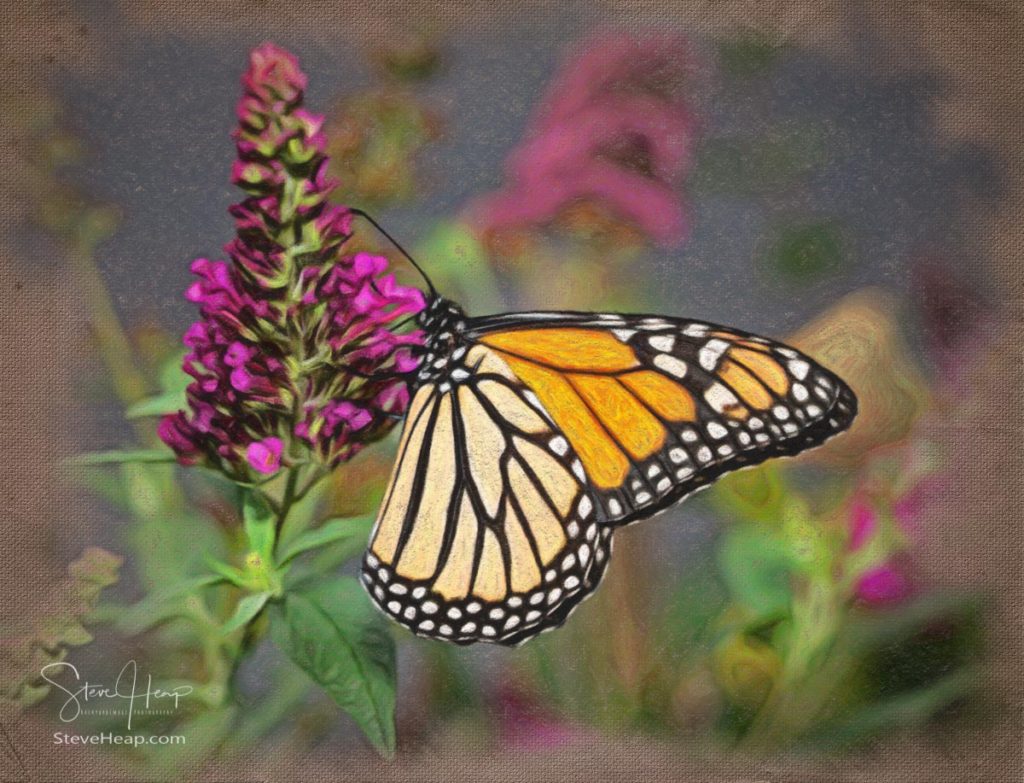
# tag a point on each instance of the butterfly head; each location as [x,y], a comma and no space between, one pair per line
[443,323]
[441,315]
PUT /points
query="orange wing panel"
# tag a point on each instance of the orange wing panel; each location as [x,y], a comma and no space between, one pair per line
[628,421]
[665,397]
[767,370]
[745,385]
[603,461]
[737,340]
[566,349]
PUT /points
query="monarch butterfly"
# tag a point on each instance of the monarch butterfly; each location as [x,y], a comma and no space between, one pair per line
[531,437]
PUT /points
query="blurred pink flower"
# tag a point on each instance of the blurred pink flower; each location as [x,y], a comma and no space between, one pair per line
[863,523]
[954,314]
[908,508]
[613,129]
[888,581]
[882,585]
[525,725]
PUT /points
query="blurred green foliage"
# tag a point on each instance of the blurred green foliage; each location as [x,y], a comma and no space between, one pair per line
[748,54]
[807,251]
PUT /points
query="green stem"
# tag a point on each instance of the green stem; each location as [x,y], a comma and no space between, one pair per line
[312,482]
[248,635]
[287,501]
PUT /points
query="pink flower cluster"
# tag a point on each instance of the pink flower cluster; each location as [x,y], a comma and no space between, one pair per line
[614,129]
[881,584]
[889,581]
[295,344]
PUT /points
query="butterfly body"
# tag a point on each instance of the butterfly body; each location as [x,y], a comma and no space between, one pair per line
[531,437]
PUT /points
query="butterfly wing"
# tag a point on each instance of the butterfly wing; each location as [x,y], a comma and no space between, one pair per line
[550,429]
[485,533]
[657,407]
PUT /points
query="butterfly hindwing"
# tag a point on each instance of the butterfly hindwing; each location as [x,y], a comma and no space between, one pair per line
[531,436]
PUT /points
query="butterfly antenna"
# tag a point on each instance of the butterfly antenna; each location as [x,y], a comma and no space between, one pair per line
[402,250]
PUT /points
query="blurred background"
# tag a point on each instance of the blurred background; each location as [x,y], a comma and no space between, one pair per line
[838,177]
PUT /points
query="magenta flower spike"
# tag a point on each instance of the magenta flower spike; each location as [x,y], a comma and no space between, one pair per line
[291,325]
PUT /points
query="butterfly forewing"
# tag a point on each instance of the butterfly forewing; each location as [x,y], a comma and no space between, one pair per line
[658,407]
[541,432]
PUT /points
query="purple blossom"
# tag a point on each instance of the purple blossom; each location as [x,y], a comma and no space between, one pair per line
[294,348]
[613,129]
[265,455]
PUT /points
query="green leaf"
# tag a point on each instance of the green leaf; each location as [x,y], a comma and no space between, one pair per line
[162,605]
[692,607]
[62,630]
[228,572]
[756,568]
[173,381]
[259,522]
[172,375]
[756,495]
[159,405]
[103,483]
[120,456]
[333,634]
[250,606]
[354,531]
[95,569]
[32,694]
